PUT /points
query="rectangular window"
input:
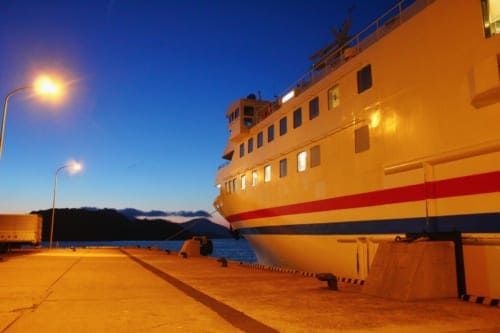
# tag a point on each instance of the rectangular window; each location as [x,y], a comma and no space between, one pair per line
[315,156]
[333,97]
[260,139]
[361,139]
[233,185]
[270,133]
[243,182]
[248,110]
[267,173]
[283,168]
[248,122]
[297,118]
[491,17]
[283,126]
[364,78]
[314,108]
[301,161]
[248,113]
[242,149]
[254,178]
[250,145]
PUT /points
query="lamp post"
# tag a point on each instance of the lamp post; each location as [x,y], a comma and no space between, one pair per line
[43,85]
[74,167]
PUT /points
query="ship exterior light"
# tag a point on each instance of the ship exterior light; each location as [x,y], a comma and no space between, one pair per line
[288,96]
[375,119]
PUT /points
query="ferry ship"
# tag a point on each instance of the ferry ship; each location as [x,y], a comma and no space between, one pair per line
[393,134]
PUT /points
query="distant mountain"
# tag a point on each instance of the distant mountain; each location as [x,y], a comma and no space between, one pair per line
[202,226]
[105,224]
[134,213]
[94,224]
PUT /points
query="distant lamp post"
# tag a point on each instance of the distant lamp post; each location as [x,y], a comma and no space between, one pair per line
[73,167]
[42,86]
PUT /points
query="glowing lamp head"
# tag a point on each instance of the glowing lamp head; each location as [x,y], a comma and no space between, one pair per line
[74,167]
[45,86]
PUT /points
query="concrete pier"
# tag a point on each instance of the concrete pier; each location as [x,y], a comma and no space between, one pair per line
[142,290]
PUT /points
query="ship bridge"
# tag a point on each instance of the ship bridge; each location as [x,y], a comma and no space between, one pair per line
[242,115]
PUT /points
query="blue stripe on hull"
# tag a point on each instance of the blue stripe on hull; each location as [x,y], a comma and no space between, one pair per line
[476,223]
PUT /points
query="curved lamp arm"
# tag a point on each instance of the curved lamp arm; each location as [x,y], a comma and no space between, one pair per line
[4,113]
[54,204]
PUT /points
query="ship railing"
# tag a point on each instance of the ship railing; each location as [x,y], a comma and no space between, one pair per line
[384,24]
[223,165]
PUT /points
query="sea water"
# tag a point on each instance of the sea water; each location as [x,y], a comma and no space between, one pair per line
[229,248]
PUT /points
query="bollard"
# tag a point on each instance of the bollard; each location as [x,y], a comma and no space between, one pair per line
[223,261]
[330,279]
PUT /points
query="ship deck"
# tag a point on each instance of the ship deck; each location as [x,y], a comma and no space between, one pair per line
[147,290]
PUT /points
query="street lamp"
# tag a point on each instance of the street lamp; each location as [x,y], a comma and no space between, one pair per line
[73,168]
[43,86]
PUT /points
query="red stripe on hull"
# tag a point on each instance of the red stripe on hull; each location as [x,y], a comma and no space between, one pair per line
[474,184]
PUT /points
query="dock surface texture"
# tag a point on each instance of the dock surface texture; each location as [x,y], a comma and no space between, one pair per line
[148,290]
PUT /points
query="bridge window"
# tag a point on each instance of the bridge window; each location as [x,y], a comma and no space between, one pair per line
[248,110]
[248,121]
[491,17]
[248,113]
[234,115]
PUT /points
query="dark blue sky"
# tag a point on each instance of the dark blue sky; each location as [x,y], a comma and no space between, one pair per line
[148,87]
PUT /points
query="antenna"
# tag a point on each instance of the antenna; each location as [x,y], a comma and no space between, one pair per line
[341,36]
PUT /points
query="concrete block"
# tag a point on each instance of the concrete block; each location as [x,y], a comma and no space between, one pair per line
[413,271]
[191,248]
